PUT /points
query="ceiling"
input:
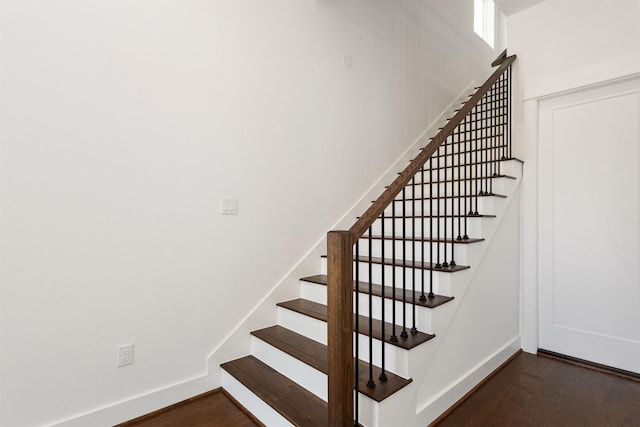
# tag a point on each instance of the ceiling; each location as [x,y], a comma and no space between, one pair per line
[510,7]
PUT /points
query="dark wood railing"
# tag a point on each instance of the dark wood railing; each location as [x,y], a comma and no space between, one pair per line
[340,244]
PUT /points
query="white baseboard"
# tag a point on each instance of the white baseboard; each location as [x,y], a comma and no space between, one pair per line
[140,405]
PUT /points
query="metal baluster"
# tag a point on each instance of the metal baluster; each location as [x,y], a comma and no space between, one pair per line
[485,141]
[431,217]
[504,112]
[492,120]
[503,123]
[472,156]
[383,375]
[482,128]
[413,254]
[445,264]
[504,109]
[499,129]
[509,115]
[370,383]
[475,151]
[460,196]
[393,338]
[495,108]
[496,132]
[356,368]
[505,119]
[423,298]
[479,153]
[455,141]
[467,163]
[438,265]
[404,333]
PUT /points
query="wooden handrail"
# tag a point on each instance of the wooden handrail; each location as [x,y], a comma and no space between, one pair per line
[374,211]
[499,59]
[340,265]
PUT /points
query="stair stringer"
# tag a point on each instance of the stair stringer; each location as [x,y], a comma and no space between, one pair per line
[417,402]
[237,342]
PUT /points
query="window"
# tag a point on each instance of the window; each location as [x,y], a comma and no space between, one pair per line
[484,20]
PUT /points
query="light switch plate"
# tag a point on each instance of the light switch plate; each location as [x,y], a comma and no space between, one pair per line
[228,206]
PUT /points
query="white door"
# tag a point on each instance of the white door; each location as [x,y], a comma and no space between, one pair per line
[589,224]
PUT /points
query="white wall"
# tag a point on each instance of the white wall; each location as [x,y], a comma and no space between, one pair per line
[123,123]
[562,45]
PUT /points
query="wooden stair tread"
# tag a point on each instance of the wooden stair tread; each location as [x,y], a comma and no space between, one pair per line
[440,216]
[455,153]
[486,126]
[478,138]
[378,290]
[427,240]
[462,179]
[295,403]
[319,311]
[315,355]
[409,263]
[413,264]
[456,196]
[476,163]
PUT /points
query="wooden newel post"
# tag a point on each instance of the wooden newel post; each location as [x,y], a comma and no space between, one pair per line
[340,327]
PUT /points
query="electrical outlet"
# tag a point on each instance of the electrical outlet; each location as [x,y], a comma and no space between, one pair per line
[125,355]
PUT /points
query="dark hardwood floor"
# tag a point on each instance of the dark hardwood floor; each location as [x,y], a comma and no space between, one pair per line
[540,391]
[212,409]
[529,391]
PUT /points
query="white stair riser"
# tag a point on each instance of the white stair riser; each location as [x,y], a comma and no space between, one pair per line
[256,406]
[459,155]
[478,139]
[304,325]
[496,185]
[486,147]
[483,205]
[404,312]
[473,227]
[441,280]
[292,368]
[508,167]
[462,253]
[396,358]
[313,292]
[368,411]
[466,171]
[413,250]
[316,293]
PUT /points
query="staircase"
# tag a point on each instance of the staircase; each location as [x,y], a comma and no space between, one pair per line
[404,267]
